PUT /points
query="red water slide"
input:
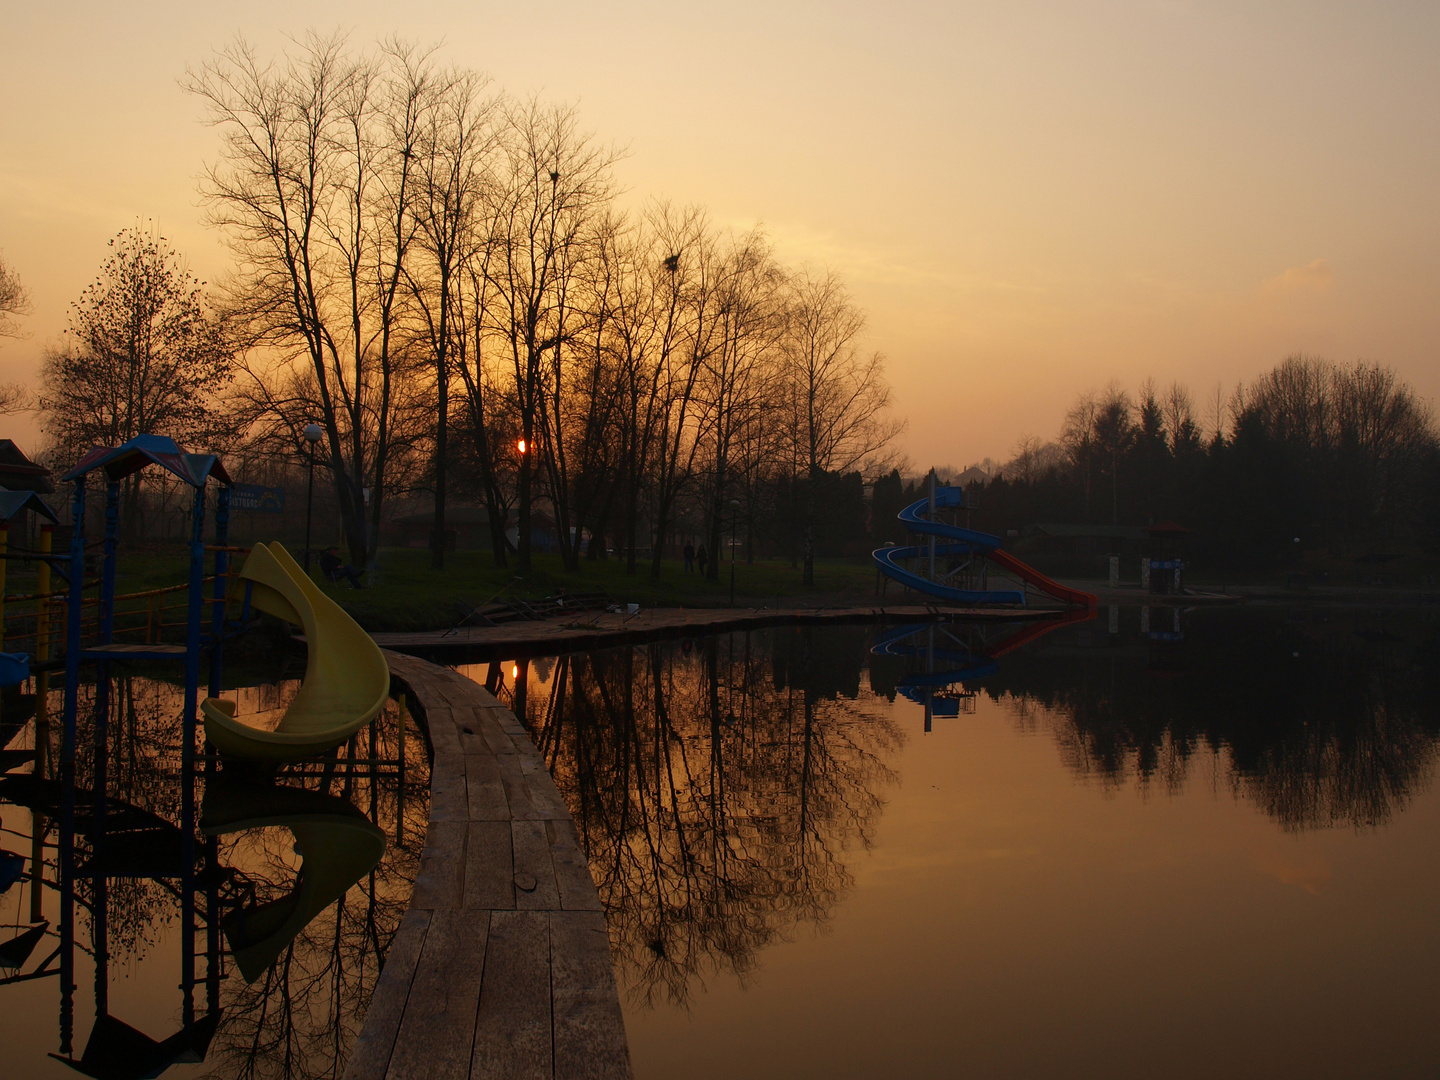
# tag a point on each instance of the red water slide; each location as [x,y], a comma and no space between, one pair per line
[1049,586]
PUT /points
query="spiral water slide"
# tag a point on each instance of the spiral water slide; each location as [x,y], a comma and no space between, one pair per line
[346,678]
[960,543]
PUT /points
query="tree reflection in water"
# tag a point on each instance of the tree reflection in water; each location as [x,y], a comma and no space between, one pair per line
[718,788]
[1322,720]
[721,786]
[137,896]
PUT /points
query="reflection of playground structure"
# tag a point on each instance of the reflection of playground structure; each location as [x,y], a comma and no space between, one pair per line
[942,657]
[716,787]
[116,856]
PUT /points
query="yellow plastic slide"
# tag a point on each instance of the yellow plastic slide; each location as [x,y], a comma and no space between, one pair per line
[346,678]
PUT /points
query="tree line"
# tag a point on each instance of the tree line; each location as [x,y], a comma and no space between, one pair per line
[1342,456]
[440,275]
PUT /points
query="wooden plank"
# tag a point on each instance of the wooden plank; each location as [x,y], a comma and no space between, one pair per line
[472,736]
[436,1035]
[497,739]
[489,866]
[440,884]
[484,790]
[589,1028]
[572,869]
[513,1028]
[541,786]
[517,788]
[444,736]
[479,1000]
[535,885]
[449,800]
[370,1055]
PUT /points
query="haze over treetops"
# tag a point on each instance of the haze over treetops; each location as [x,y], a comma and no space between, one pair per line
[1028,200]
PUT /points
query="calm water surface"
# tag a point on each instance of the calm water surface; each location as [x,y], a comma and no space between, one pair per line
[1200,845]
[190,924]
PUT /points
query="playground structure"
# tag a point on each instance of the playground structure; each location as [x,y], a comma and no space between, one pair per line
[15,666]
[945,661]
[347,681]
[951,553]
[98,836]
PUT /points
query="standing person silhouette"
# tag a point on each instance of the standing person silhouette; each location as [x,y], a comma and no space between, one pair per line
[702,557]
[689,554]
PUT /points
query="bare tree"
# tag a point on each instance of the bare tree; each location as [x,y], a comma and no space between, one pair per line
[1077,436]
[838,394]
[14,301]
[315,190]
[556,179]
[737,374]
[456,140]
[143,354]
[1180,420]
[689,312]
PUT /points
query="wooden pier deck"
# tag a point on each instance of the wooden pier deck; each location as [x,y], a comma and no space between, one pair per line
[589,630]
[501,967]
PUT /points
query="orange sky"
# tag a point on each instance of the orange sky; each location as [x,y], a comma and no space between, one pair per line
[1029,200]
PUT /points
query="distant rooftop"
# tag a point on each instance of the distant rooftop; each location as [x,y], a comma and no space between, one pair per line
[19,473]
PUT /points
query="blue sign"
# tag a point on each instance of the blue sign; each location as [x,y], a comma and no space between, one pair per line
[257,499]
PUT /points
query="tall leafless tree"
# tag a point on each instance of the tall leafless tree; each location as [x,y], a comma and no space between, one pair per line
[314,190]
[837,394]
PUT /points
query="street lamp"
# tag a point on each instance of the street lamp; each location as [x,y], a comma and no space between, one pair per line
[313,433]
[734,524]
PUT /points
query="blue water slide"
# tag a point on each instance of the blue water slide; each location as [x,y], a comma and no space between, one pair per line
[958,542]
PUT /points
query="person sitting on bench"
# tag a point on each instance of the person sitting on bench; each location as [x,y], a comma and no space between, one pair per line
[334,570]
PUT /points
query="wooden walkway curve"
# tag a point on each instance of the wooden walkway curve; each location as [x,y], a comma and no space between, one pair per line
[591,630]
[501,967]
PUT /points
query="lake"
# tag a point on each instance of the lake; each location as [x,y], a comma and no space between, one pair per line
[1156,843]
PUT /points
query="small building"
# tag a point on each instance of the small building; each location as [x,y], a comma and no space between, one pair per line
[1063,540]
[1166,540]
[467,528]
[1163,568]
[19,473]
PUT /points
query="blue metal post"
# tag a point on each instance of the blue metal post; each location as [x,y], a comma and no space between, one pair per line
[67,766]
[192,624]
[222,565]
[107,576]
[187,755]
[106,624]
[72,624]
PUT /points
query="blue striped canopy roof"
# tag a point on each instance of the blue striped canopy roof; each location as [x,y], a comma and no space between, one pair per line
[144,450]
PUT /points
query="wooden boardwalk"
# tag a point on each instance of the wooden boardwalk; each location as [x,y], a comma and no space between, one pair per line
[501,967]
[589,630]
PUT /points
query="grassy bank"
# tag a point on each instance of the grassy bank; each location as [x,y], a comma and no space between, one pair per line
[404,593]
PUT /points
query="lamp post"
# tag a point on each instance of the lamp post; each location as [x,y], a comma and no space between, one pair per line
[734,524]
[313,433]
